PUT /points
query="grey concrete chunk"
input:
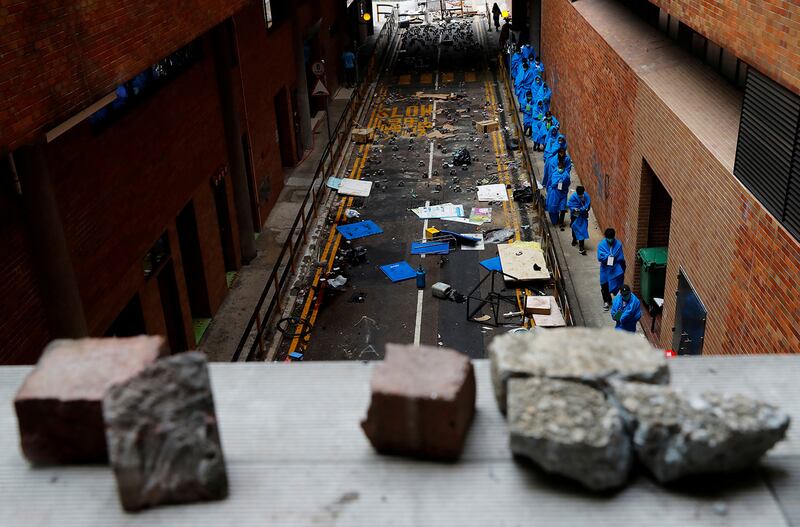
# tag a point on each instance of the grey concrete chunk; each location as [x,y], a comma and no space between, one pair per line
[568,428]
[676,435]
[163,441]
[423,402]
[59,406]
[582,354]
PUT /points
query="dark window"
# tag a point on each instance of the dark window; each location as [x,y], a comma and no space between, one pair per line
[768,151]
[145,83]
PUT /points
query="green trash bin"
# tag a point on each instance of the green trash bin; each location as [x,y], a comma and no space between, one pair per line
[654,273]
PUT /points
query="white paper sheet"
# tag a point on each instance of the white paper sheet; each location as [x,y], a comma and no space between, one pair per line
[496,192]
[445,210]
[355,187]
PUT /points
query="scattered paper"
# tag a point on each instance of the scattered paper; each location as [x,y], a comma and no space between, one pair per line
[355,187]
[495,192]
[481,214]
[445,210]
[468,221]
[333,182]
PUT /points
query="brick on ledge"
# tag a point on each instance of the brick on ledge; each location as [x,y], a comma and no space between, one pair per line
[59,405]
[423,403]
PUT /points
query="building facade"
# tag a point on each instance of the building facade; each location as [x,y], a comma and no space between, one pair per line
[682,119]
[141,150]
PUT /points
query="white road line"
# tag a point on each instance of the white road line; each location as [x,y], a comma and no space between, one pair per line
[418,324]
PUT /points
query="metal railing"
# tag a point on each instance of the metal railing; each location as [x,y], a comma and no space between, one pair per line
[559,288]
[269,302]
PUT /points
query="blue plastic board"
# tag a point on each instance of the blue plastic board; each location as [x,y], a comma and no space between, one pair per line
[430,248]
[492,264]
[362,229]
[462,238]
[397,272]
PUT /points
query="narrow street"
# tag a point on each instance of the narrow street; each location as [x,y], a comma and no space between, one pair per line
[410,164]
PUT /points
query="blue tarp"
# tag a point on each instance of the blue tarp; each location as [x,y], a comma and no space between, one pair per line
[361,229]
[397,272]
[430,248]
[492,264]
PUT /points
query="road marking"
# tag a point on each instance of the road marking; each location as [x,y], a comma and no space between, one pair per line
[418,323]
[333,242]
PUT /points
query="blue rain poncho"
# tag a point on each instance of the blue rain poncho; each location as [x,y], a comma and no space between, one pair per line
[557,189]
[545,94]
[538,66]
[522,84]
[539,133]
[551,165]
[515,64]
[579,212]
[554,142]
[528,115]
[527,52]
[611,274]
[536,88]
[630,312]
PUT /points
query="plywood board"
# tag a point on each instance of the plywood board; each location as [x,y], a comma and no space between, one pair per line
[519,262]
[355,187]
[554,320]
[495,192]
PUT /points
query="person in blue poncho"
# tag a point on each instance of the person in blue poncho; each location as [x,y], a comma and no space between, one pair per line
[536,87]
[528,114]
[612,266]
[537,65]
[527,51]
[626,310]
[539,134]
[561,157]
[515,64]
[523,82]
[550,121]
[579,204]
[557,189]
[555,142]
[545,94]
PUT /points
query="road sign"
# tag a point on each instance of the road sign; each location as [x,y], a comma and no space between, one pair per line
[318,68]
[320,89]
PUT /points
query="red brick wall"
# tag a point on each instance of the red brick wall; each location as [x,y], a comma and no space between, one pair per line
[120,189]
[57,58]
[593,98]
[266,63]
[23,326]
[743,264]
[763,33]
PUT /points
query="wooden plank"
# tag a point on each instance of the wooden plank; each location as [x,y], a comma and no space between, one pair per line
[519,262]
[554,320]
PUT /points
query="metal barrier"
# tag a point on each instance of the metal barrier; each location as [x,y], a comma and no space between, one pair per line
[559,289]
[286,264]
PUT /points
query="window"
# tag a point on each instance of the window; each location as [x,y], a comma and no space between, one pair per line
[145,83]
[768,152]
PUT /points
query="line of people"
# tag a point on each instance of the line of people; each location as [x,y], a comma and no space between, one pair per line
[534,97]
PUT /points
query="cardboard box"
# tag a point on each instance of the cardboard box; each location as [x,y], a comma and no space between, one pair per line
[537,305]
[485,127]
[363,135]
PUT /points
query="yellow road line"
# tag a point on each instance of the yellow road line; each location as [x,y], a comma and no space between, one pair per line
[333,241]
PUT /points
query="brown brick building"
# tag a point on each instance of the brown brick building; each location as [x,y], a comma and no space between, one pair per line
[141,147]
[682,119]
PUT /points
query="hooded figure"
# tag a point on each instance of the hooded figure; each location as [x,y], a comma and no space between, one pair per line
[557,189]
[579,204]
[550,121]
[536,87]
[527,52]
[555,141]
[551,164]
[496,15]
[528,111]
[539,135]
[538,66]
[523,82]
[515,64]
[545,94]
[612,266]
[626,310]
